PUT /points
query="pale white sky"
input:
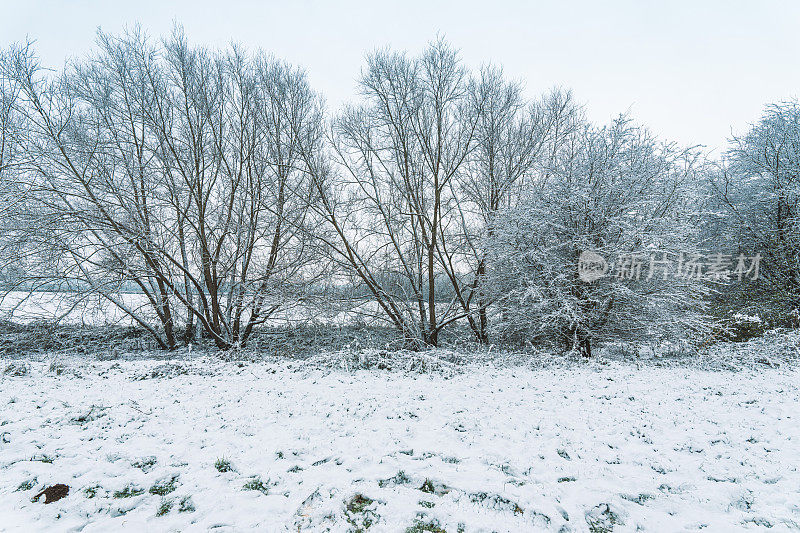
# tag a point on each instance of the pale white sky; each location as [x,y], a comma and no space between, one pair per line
[690,70]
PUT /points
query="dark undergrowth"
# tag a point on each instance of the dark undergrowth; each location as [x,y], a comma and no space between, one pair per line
[762,346]
[21,339]
[291,341]
[17,340]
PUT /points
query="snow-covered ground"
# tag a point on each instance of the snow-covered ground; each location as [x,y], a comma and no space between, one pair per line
[195,444]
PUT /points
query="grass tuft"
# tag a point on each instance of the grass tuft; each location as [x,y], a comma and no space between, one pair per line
[223,465]
[360,513]
[427,487]
[145,464]
[398,479]
[129,492]
[423,527]
[255,483]
[164,486]
[165,507]
[28,484]
[186,505]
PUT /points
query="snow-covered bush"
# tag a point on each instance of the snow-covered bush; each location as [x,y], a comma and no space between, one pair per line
[755,204]
[771,349]
[620,194]
[17,369]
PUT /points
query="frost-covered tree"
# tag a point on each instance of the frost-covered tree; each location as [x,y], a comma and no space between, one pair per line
[515,140]
[758,189]
[8,95]
[12,192]
[616,192]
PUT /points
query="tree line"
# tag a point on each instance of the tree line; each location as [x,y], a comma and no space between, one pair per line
[218,186]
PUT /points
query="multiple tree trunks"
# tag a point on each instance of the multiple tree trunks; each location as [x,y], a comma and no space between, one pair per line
[212,183]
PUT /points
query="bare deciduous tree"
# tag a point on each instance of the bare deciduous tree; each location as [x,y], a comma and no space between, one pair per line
[171,171]
[388,195]
[515,143]
[10,192]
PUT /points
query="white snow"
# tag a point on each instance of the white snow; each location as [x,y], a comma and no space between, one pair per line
[505,449]
[67,308]
[741,317]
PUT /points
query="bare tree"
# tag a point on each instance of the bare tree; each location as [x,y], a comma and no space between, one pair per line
[8,96]
[387,195]
[11,193]
[170,171]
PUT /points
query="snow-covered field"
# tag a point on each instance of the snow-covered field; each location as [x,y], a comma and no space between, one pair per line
[198,444]
[23,307]
[67,308]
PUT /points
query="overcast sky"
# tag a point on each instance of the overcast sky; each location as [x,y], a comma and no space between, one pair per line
[690,70]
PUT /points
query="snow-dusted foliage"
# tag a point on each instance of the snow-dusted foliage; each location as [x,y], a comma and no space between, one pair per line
[618,193]
[758,189]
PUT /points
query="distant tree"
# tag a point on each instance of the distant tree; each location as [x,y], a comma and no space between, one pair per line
[757,189]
